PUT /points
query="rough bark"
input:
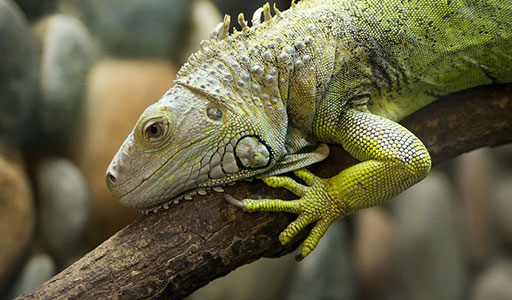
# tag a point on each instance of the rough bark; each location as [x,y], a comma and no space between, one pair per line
[170,254]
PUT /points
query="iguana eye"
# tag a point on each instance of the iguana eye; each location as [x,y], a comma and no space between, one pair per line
[214,113]
[155,130]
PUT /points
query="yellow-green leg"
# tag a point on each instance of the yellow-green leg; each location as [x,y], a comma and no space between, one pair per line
[393,159]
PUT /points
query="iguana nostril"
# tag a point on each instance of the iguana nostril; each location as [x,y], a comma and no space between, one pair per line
[111,178]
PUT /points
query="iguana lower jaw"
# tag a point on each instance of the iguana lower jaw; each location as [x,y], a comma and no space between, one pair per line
[183,175]
[183,144]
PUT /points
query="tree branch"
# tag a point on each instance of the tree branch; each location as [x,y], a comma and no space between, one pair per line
[170,254]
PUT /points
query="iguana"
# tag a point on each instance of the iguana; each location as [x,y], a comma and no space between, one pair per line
[267,99]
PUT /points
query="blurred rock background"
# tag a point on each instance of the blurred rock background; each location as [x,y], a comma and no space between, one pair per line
[74,77]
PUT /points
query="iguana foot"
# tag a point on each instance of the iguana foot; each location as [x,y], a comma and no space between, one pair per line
[319,202]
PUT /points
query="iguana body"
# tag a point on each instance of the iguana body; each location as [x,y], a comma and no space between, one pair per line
[263,101]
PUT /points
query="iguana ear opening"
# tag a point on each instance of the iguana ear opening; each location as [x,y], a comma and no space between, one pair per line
[253,153]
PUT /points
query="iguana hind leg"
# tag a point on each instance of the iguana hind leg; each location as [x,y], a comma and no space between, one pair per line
[393,159]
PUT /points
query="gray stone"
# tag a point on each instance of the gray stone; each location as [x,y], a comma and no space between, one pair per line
[135,28]
[262,279]
[495,283]
[429,257]
[327,272]
[499,197]
[34,9]
[18,72]
[38,269]
[67,52]
[501,207]
[503,156]
[64,206]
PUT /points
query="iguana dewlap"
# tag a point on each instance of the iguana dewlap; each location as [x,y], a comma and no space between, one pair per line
[266,100]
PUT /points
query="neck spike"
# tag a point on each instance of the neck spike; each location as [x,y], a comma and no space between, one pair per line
[266,12]
[277,11]
[243,23]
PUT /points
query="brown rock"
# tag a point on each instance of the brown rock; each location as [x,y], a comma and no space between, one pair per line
[118,91]
[473,173]
[373,241]
[16,217]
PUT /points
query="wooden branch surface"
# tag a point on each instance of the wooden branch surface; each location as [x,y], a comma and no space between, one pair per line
[170,254]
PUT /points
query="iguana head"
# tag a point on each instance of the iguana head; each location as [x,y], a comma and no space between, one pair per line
[224,120]
[200,134]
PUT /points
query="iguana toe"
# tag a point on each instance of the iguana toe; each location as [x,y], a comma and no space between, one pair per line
[317,203]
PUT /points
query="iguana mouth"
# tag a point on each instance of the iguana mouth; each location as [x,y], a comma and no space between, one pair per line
[186,195]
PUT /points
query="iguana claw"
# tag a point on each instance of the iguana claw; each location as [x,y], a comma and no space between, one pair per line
[234,201]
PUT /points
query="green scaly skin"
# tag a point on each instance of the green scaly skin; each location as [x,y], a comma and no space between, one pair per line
[267,100]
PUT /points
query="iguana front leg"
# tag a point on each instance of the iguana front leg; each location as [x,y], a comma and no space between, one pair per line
[393,159]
